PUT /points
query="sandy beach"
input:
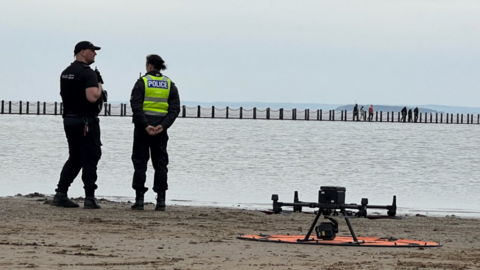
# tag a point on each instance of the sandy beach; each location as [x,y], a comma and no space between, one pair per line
[34,234]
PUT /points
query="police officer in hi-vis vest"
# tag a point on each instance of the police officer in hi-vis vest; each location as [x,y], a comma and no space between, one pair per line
[155,104]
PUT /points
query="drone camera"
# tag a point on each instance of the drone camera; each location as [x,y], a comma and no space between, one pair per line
[326,231]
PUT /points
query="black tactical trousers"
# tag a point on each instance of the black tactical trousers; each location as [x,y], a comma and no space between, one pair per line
[143,146]
[84,153]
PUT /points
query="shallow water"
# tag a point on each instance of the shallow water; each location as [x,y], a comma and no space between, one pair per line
[432,169]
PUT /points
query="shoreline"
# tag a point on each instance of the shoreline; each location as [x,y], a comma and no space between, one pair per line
[401,212]
[36,235]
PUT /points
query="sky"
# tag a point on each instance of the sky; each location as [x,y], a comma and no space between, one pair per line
[388,52]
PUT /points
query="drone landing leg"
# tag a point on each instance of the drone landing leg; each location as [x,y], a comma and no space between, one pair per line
[355,240]
[320,211]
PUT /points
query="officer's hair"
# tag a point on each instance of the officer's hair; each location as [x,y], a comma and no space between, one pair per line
[156,61]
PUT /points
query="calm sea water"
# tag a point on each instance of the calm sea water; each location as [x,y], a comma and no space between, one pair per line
[432,169]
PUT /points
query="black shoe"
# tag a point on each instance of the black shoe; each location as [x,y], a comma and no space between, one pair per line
[91,203]
[139,199]
[160,202]
[62,200]
[138,205]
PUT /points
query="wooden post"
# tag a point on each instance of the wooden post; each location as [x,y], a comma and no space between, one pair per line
[388,116]
[254,112]
[38,107]
[398,117]
[28,105]
[226,112]
[457,118]
[436,118]
[468,118]
[241,112]
[268,113]
[318,115]
[321,114]
[9,107]
[451,118]
[441,118]
[20,108]
[125,109]
[446,119]
[281,114]
[381,114]
[105,109]
[3,105]
[294,114]
[121,109]
[461,119]
[199,111]
[341,116]
[213,111]
[376,116]
[431,118]
[426,117]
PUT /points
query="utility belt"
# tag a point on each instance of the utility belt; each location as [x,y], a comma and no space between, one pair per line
[86,120]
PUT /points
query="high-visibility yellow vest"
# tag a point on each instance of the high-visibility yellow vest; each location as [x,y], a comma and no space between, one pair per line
[157,90]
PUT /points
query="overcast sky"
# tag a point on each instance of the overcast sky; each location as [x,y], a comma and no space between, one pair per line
[390,52]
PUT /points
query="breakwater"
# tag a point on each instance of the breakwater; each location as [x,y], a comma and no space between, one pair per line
[123,109]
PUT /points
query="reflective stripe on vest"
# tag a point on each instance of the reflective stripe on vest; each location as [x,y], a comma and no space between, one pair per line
[157,90]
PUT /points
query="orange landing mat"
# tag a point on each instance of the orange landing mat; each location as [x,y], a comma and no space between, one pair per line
[340,241]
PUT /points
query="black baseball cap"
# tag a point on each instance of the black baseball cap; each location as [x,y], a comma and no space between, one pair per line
[85,45]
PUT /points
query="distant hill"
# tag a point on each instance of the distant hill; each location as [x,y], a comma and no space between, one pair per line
[384,108]
[453,109]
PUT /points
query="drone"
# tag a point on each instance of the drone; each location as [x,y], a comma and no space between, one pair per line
[331,204]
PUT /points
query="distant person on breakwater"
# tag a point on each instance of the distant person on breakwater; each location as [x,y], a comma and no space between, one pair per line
[370,113]
[355,112]
[415,113]
[410,119]
[82,94]
[362,114]
[155,104]
[404,114]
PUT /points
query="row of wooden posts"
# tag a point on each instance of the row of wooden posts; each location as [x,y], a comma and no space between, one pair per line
[41,108]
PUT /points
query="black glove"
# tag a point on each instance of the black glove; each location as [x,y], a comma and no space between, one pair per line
[99,77]
[104,95]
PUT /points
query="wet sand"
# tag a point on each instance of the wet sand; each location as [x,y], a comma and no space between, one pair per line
[34,234]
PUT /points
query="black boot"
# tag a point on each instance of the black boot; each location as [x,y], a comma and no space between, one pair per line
[139,201]
[91,203]
[160,201]
[61,200]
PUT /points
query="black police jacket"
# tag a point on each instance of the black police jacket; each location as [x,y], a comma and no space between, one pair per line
[74,81]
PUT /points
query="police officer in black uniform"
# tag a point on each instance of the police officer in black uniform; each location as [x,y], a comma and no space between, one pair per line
[82,95]
[155,104]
